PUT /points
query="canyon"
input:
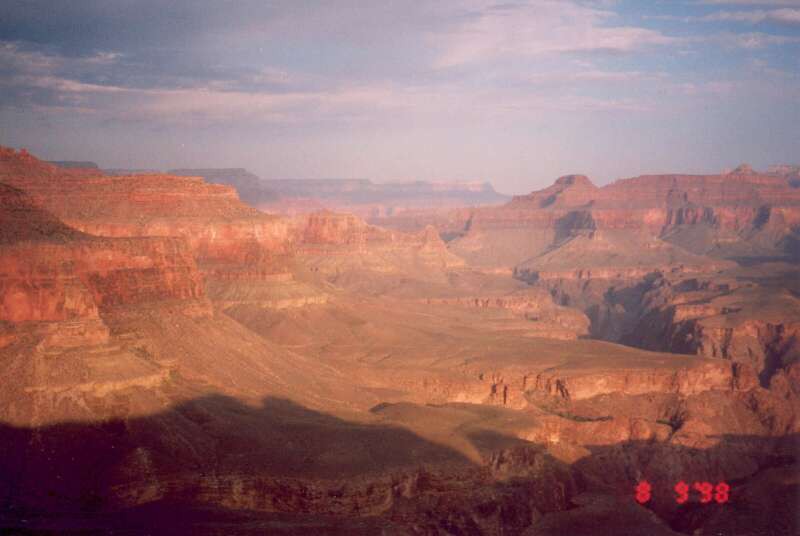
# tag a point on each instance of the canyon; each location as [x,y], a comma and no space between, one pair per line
[175,357]
[362,197]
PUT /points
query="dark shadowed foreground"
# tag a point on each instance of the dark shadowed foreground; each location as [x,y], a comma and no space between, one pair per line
[177,362]
[216,466]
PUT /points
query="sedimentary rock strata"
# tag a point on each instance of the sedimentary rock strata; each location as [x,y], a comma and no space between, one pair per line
[58,280]
[205,361]
[741,213]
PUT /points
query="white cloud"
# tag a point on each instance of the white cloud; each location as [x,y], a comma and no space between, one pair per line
[616,76]
[755,40]
[572,103]
[509,54]
[715,88]
[753,2]
[783,15]
[537,28]
[588,74]
[64,84]
[43,82]
[14,58]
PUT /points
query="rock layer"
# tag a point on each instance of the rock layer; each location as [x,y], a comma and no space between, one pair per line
[222,233]
[61,280]
[741,213]
[355,378]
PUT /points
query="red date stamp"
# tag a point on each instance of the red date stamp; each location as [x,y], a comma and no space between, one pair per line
[706,492]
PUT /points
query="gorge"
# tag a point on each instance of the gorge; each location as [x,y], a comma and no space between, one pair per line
[174,356]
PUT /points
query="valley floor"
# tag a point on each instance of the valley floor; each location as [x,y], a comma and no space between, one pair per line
[202,368]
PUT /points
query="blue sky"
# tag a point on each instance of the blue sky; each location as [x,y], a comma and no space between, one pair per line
[515,92]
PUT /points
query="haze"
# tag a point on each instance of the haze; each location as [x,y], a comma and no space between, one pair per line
[400,268]
[516,93]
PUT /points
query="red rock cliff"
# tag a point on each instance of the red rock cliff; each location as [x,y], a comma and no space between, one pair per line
[220,230]
[742,213]
[50,272]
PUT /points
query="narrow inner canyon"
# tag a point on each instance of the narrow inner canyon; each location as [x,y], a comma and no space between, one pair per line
[174,357]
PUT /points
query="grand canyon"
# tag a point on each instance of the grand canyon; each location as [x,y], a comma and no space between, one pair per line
[346,267]
[174,357]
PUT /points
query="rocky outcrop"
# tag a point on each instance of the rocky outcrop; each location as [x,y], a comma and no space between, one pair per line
[226,237]
[368,200]
[229,240]
[549,319]
[741,319]
[251,189]
[330,230]
[741,213]
[345,250]
[377,203]
[113,272]
[79,164]
[304,401]
[572,385]
[55,275]
[567,191]
[608,251]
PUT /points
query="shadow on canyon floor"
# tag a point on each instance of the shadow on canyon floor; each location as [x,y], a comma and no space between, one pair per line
[214,465]
[792,256]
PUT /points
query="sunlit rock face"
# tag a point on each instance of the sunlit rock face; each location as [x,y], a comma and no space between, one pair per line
[59,280]
[227,237]
[219,229]
[203,360]
[741,213]
[626,254]
[368,200]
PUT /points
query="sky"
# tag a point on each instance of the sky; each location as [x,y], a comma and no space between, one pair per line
[512,92]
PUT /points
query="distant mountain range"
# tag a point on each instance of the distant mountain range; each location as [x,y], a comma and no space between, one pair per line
[505,369]
[360,196]
[72,164]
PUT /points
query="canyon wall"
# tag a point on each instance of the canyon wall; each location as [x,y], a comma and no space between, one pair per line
[625,253]
[58,281]
[738,214]
[362,197]
[223,234]
[370,378]
[228,238]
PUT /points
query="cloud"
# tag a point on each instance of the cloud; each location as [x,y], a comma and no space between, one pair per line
[588,75]
[753,2]
[754,40]
[344,62]
[286,46]
[714,88]
[617,76]
[38,82]
[783,16]
[497,32]
[532,104]
[281,62]
[41,81]
[64,85]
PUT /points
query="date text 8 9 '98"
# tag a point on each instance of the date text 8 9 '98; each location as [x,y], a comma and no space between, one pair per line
[706,490]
